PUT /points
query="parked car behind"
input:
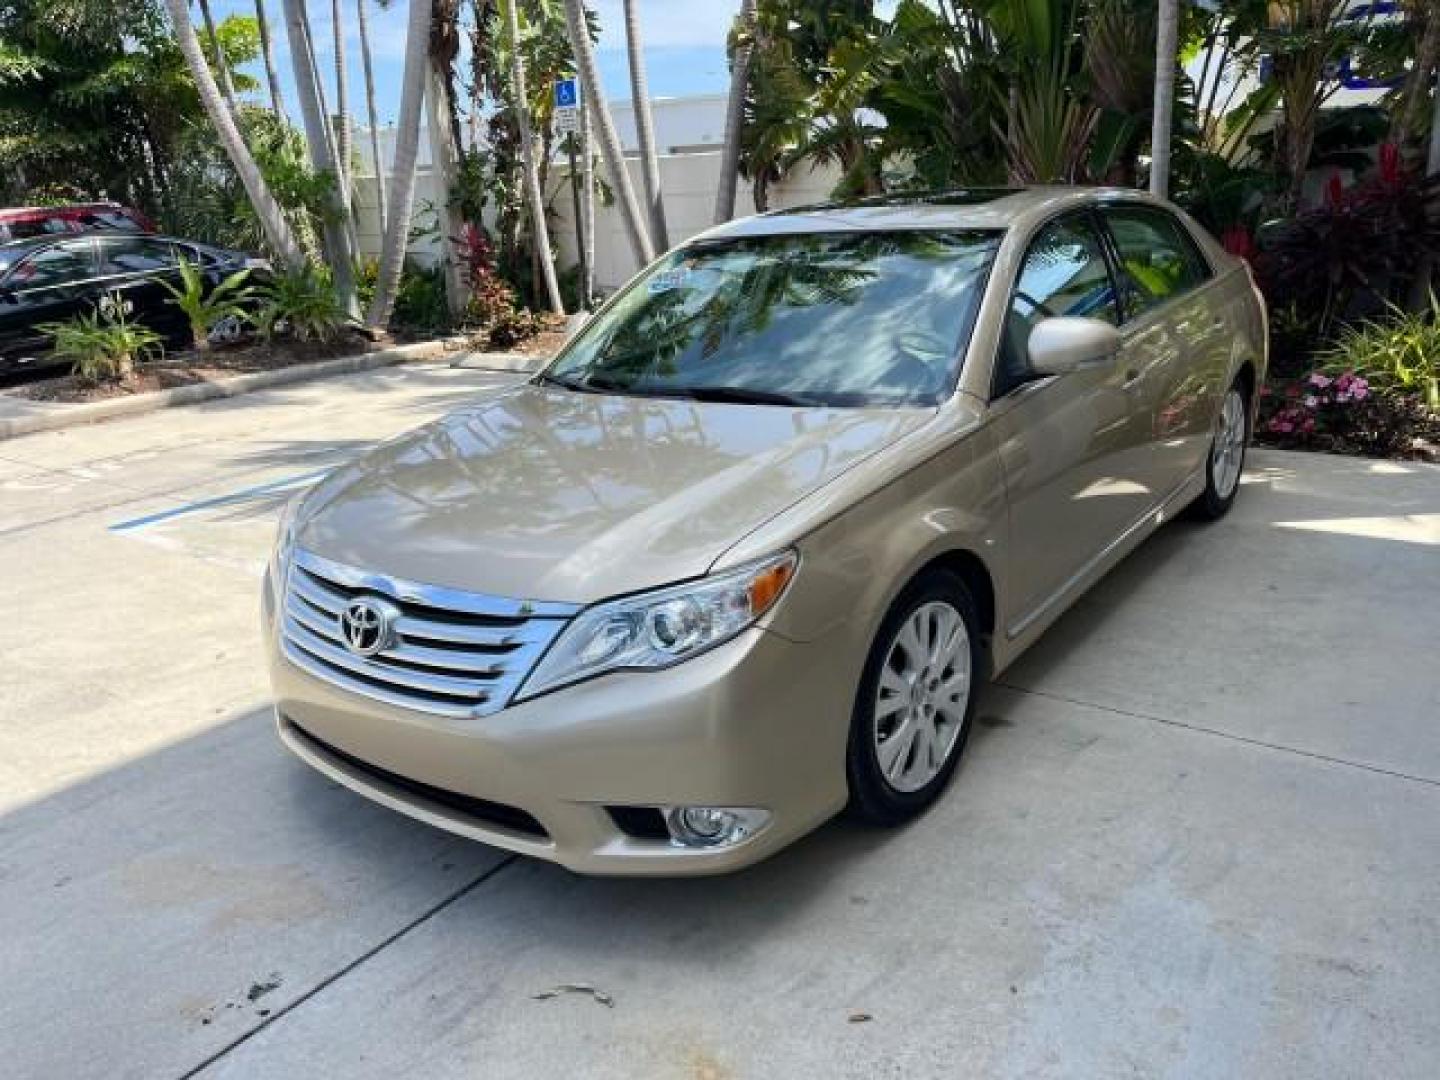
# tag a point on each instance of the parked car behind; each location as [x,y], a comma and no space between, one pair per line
[22,222]
[746,551]
[51,279]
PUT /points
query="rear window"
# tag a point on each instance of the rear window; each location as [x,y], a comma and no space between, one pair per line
[135,255]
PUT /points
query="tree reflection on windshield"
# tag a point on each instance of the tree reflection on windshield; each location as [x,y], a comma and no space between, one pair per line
[837,318]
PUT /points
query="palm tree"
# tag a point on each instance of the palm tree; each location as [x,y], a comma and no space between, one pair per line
[520,103]
[645,125]
[363,21]
[402,178]
[322,153]
[227,84]
[344,146]
[1167,43]
[272,218]
[609,142]
[267,53]
[735,112]
[587,207]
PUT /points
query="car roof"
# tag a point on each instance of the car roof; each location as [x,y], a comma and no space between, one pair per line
[14,248]
[968,208]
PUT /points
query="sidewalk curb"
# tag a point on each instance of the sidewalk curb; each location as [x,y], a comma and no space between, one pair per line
[66,416]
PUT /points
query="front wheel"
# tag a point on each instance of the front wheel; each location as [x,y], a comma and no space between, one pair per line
[917,697]
[1227,456]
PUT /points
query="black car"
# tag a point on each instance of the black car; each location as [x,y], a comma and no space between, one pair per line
[52,279]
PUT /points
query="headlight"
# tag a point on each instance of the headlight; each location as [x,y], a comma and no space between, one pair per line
[661,628]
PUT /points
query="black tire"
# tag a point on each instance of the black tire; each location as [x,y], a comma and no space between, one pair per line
[1214,503]
[872,797]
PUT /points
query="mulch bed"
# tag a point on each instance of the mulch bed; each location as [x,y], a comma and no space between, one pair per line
[185,368]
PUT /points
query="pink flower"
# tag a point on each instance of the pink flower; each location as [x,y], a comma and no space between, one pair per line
[1311,401]
[1360,391]
[1284,426]
[1320,382]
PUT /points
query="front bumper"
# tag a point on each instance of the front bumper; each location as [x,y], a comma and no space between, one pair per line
[758,722]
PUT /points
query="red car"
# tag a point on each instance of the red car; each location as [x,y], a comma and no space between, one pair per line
[22,222]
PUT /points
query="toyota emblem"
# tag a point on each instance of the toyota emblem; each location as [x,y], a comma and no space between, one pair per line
[368,626]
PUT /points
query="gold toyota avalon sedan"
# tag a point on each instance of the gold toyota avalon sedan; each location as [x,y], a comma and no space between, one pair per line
[744,554]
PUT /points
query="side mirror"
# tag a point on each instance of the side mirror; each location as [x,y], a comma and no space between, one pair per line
[1059,346]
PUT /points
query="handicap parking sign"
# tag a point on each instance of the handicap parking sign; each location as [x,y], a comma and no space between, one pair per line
[567,94]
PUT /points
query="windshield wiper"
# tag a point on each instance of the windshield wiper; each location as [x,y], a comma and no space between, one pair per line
[739,395]
[566,383]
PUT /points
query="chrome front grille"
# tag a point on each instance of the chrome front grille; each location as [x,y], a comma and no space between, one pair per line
[451,653]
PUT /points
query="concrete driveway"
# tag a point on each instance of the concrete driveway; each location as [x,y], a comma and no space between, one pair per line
[1197,833]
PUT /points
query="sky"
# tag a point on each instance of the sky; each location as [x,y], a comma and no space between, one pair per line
[684,48]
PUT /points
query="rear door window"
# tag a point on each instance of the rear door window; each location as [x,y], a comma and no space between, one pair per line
[1159,260]
[63,264]
[135,255]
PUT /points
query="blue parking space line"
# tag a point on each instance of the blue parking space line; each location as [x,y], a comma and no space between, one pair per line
[219,500]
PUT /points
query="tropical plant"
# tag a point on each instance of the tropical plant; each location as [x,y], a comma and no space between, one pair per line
[536,197]
[95,95]
[1358,250]
[204,307]
[420,303]
[267,55]
[578,28]
[1338,413]
[362,20]
[1398,355]
[645,126]
[267,209]
[401,198]
[303,303]
[1167,42]
[210,204]
[102,346]
[324,158]
[742,43]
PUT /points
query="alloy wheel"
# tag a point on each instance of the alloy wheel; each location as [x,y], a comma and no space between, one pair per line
[922,697]
[1227,454]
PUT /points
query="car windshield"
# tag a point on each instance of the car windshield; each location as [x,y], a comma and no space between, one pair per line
[847,319]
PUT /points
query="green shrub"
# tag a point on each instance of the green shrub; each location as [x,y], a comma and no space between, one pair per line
[420,302]
[102,346]
[1398,356]
[206,310]
[303,303]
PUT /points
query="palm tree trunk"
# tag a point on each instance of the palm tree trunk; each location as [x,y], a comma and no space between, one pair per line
[587,207]
[227,84]
[272,218]
[609,141]
[370,113]
[539,231]
[267,53]
[322,153]
[735,113]
[1167,44]
[402,177]
[443,154]
[344,140]
[645,126]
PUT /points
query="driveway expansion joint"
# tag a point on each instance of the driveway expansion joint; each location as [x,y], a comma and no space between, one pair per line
[1201,729]
[329,980]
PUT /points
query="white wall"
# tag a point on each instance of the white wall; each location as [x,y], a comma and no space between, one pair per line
[689,183]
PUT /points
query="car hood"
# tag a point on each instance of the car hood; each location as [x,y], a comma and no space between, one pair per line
[542,493]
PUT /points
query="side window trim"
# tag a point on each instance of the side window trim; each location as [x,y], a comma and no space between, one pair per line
[1088,214]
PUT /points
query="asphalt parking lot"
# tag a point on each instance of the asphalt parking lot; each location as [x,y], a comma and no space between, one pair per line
[1196,833]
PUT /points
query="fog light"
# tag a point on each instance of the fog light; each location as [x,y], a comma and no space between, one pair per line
[714,826]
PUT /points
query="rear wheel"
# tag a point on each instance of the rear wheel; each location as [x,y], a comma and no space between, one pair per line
[1227,455]
[916,701]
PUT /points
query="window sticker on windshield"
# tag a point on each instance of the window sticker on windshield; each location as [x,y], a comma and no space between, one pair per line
[669,279]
